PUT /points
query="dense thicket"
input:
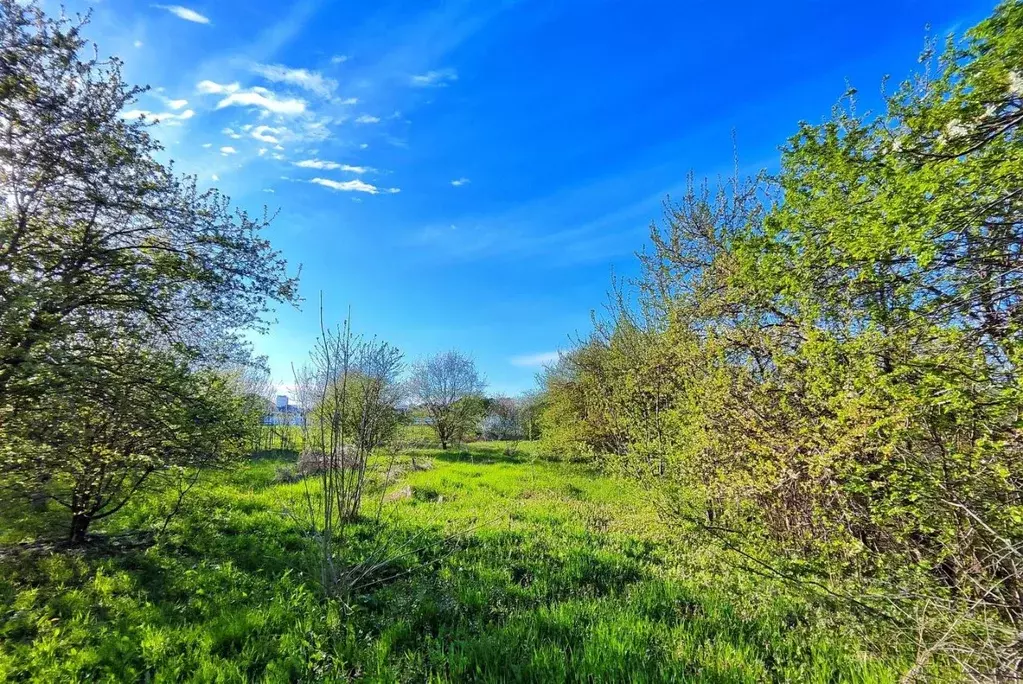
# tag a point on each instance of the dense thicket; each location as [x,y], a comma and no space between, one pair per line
[828,361]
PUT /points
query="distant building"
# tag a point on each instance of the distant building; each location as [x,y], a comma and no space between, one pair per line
[283,412]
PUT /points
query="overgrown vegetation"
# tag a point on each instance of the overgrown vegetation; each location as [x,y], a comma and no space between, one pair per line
[792,452]
[820,370]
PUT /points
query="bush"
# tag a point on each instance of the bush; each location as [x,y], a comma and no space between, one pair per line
[841,384]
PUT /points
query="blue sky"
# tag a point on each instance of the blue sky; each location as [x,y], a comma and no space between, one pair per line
[467,174]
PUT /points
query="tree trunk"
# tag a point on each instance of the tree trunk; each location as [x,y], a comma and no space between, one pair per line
[79,527]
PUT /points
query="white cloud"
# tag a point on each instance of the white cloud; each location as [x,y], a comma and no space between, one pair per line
[263,99]
[367,119]
[215,177]
[315,130]
[435,78]
[339,59]
[323,165]
[348,101]
[352,186]
[176,104]
[184,13]
[138,43]
[213,88]
[459,182]
[268,134]
[363,146]
[317,164]
[262,151]
[227,149]
[302,78]
[230,133]
[270,190]
[169,118]
[207,145]
[535,360]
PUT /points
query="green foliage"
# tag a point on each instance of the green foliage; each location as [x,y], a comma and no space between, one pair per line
[100,240]
[829,359]
[519,570]
[136,421]
[123,288]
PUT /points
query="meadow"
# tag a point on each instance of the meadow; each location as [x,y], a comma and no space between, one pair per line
[485,564]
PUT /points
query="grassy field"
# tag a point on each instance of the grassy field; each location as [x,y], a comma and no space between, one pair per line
[506,568]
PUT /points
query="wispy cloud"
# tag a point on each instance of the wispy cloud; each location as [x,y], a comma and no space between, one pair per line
[263,99]
[214,88]
[268,134]
[184,13]
[367,119]
[440,77]
[353,186]
[317,164]
[459,182]
[339,59]
[535,360]
[324,165]
[302,78]
[169,118]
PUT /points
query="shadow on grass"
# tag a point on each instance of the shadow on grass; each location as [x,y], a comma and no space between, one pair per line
[275,455]
[479,455]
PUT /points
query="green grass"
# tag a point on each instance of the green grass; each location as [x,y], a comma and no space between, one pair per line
[521,570]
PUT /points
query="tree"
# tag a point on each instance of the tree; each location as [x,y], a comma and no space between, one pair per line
[509,418]
[449,386]
[503,419]
[109,261]
[124,426]
[251,382]
[97,235]
[350,391]
[531,405]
